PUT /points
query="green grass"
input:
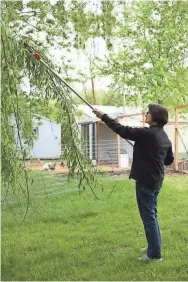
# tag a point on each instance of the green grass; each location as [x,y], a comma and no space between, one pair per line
[75,237]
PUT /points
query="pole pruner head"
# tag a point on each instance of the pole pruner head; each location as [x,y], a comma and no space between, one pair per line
[31,51]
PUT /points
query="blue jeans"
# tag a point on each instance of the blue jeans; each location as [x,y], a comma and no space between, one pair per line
[147,205]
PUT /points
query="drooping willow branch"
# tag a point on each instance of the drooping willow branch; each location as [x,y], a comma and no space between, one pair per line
[47,87]
[73,143]
[14,100]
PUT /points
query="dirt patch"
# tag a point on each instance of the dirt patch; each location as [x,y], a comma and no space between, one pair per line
[58,168]
[110,170]
[117,172]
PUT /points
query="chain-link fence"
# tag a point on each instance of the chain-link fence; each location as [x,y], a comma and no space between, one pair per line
[109,152]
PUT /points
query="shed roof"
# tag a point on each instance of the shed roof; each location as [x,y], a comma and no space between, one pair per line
[115,112]
[108,110]
[41,117]
[95,119]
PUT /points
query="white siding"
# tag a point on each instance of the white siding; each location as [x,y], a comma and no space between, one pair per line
[48,144]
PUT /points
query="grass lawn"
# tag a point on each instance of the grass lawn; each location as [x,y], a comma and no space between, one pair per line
[68,236]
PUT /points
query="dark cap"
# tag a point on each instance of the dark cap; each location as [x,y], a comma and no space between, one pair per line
[159,114]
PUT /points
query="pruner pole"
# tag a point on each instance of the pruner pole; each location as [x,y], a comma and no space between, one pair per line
[38,57]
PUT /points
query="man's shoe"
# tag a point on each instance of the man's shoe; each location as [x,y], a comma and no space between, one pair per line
[144,250]
[146,258]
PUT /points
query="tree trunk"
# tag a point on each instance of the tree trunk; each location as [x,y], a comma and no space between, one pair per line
[93,91]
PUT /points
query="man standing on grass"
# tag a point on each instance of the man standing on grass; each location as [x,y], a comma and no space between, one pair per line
[152,150]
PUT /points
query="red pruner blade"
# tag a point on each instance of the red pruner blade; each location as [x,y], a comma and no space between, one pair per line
[32,51]
[36,55]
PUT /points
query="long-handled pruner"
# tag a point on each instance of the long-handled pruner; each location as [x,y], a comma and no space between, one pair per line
[38,57]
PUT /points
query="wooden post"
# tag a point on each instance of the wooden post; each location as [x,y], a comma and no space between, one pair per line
[143,119]
[118,150]
[90,141]
[176,139]
[98,140]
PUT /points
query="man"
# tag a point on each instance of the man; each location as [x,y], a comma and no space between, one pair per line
[152,150]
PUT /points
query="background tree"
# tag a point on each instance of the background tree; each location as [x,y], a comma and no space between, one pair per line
[151,58]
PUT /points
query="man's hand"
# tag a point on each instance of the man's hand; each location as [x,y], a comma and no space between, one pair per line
[98,113]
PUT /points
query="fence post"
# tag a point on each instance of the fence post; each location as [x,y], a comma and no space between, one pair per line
[98,140]
[176,139]
[90,141]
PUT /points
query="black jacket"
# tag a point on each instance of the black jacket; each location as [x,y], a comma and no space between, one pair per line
[152,150]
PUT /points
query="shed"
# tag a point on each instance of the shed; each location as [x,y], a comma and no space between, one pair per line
[104,146]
